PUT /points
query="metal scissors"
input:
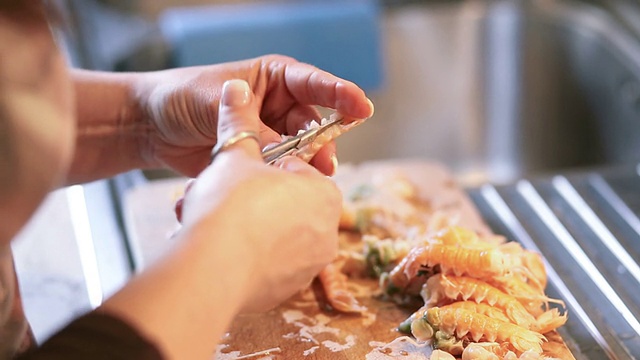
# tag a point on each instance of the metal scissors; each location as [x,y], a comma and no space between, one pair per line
[294,144]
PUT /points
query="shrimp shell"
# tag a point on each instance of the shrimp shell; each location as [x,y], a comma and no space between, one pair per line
[479,263]
[475,351]
[550,320]
[439,288]
[459,236]
[480,308]
[531,297]
[478,327]
[338,295]
[526,263]
[309,151]
[441,355]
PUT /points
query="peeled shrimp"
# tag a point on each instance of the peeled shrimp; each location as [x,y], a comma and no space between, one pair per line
[334,283]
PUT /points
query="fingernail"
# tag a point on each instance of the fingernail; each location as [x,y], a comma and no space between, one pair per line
[371,106]
[334,162]
[235,93]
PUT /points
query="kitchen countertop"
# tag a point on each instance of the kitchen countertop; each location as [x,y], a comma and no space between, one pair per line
[70,256]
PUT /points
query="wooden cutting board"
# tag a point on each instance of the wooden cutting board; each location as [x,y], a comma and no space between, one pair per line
[303,328]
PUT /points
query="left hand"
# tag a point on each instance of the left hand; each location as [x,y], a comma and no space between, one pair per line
[181,106]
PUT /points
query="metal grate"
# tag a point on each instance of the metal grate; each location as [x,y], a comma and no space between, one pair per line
[587,226]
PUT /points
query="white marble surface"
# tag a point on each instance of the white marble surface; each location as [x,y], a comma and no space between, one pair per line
[70,257]
[150,219]
[49,269]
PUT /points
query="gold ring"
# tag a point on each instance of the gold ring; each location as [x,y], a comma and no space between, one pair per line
[232,140]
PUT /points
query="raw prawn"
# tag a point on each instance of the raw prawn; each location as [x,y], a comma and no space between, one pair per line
[383,254]
[482,351]
[464,324]
[441,355]
[480,308]
[530,296]
[334,283]
[495,351]
[550,320]
[441,288]
[479,263]
[527,264]
[459,236]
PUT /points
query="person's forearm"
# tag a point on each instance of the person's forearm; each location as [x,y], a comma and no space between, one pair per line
[111,127]
[186,302]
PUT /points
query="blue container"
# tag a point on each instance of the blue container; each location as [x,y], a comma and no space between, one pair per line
[342,37]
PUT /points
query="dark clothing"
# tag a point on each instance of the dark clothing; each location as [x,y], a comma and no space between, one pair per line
[95,336]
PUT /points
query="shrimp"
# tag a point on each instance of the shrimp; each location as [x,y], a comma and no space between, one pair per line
[441,355]
[339,297]
[480,263]
[526,263]
[533,298]
[482,351]
[309,151]
[495,351]
[480,308]
[440,288]
[550,320]
[467,325]
[383,255]
[459,236]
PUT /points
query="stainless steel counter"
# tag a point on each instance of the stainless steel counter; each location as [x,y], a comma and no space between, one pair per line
[587,226]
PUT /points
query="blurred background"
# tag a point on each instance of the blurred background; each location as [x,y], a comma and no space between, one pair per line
[494,90]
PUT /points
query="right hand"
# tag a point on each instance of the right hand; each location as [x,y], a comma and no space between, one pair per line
[282,218]
[180,107]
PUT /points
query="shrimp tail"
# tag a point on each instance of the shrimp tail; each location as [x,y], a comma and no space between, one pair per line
[334,283]
[550,320]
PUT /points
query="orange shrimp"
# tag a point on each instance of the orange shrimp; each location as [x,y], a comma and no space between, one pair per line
[526,263]
[479,263]
[464,324]
[533,261]
[483,309]
[480,308]
[459,236]
[550,320]
[486,351]
[440,289]
[532,298]
[338,295]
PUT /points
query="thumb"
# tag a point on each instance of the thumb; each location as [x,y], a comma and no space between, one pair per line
[238,120]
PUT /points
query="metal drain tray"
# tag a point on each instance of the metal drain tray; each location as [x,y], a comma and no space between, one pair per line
[587,226]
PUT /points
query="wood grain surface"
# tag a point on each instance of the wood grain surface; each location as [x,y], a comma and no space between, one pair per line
[322,334]
[304,328]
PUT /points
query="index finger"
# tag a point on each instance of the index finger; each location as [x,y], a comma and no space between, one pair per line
[312,86]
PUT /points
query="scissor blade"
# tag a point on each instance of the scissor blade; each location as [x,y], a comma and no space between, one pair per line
[279,150]
[297,142]
[312,134]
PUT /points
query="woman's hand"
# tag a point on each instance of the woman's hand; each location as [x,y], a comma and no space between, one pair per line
[181,106]
[284,218]
[252,236]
